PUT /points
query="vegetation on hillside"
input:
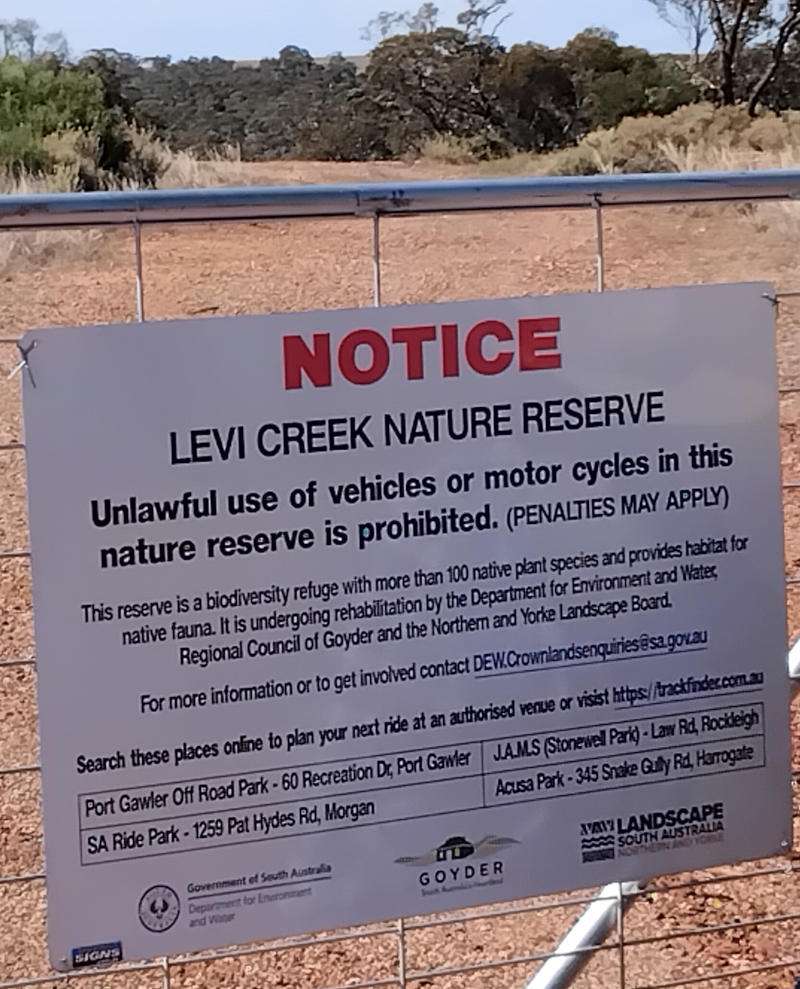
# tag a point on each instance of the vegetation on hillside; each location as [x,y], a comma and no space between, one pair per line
[107,119]
[695,137]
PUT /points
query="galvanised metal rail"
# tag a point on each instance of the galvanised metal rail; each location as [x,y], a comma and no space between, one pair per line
[268,202]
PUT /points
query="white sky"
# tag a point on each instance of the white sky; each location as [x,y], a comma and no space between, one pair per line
[259,28]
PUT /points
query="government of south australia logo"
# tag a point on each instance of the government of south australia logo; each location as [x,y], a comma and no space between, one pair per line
[159,908]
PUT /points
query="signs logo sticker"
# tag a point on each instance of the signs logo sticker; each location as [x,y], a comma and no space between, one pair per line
[97,954]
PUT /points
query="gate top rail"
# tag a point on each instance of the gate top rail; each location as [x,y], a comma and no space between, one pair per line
[268,202]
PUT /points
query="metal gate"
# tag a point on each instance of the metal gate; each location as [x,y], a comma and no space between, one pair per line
[713,927]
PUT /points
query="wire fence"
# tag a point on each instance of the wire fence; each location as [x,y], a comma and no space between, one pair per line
[705,927]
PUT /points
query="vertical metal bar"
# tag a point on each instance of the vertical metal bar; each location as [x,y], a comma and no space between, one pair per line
[376,259]
[794,664]
[600,261]
[137,253]
[621,933]
[165,980]
[401,953]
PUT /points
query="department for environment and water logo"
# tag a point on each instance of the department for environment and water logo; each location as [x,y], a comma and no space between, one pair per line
[451,866]
[159,908]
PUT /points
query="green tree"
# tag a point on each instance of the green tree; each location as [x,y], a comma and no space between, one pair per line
[342,123]
[115,70]
[52,115]
[39,98]
[538,97]
[24,38]
[439,82]
[613,81]
[745,33]
[784,36]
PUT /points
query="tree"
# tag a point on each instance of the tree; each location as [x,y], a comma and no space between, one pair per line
[475,18]
[342,122]
[440,82]
[786,30]
[783,90]
[735,23]
[389,22]
[772,25]
[42,98]
[23,37]
[539,98]
[689,17]
[746,33]
[51,113]
[613,81]
[114,69]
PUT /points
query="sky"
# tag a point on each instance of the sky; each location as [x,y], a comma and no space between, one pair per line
[251,29]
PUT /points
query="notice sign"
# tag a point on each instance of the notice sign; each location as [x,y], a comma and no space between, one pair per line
[347,615]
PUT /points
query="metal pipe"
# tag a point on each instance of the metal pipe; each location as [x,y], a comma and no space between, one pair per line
[600,260]
[137,260]
[622,906]
[794,665]
[7,663]
[605,912]
[376,260]
[591,929]
[401,953]
[265,202]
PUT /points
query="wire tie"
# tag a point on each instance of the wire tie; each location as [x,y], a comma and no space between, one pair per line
[23,362]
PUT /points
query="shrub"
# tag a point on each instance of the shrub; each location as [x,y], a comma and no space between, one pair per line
[184,170]
[693,137]
[54,118]
[447,149]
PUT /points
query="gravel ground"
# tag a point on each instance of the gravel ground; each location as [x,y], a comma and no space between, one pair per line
[262,267]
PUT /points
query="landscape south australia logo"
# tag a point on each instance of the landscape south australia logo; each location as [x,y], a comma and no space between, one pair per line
[449,871]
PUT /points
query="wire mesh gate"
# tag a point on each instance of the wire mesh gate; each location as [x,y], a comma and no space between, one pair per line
[658,942]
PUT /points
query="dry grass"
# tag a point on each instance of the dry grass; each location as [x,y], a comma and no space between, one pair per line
[33,248]
[713,158]
[698,137]
[781,217]
[38,248]
[694,138]
[219,168]
[448,150]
